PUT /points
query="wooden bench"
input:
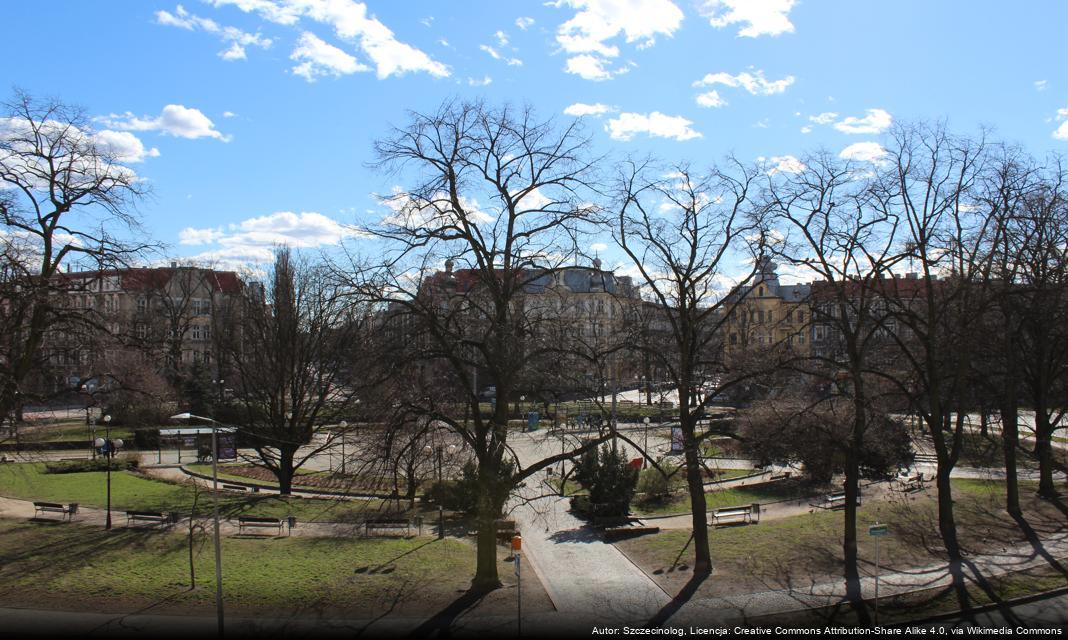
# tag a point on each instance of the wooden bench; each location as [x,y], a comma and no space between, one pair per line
[732,514]
[240,487]
[244,522]
[506,530]
[67,511]
[388,523]
[912,482]
[154,517]
[785,475]
[837,500]
[618,533]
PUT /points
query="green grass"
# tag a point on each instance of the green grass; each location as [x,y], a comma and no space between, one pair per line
[733,497]
[67,432]
[63,565]
[136,492]
[799,549]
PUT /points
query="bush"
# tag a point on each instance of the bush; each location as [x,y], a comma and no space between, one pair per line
[82,466]
[654,486]
[611,482]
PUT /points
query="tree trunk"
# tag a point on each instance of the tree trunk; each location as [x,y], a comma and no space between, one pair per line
[486,578]
[285,471]
[849,542]
[1044,451]
[1010,437]
[947,524]
[702,555]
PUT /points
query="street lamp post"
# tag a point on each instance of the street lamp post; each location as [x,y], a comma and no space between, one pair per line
[440,451]
[645,463]
[215,509]
[108,447]
[344,427]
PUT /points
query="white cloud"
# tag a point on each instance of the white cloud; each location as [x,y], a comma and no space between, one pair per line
[192,236]
[350,22]
[876,121]
[754,83]
[756,17]
[434,213]
[501,37]
[254,239]
[125,146]
[229,114]
[588,67]
[598,246]
[493,53]
[806,129]
[1041,85]
[711,99]
[237,38]
[1061,132]
[587,34]
[784,164]
[318,58]
[580,109]
[476,82]
[864,152]
[827,117]
[235,52]
[655,125]
[175,120]
[524,22]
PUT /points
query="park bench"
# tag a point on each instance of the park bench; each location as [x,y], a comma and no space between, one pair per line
[617,533]
[913,482]
[506,530]
[388,522]
[785,475]
[732,514]
[154,517]
[240,487]
[67,511]
[244,522]
[837,500]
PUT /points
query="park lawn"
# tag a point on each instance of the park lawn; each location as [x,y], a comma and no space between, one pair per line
[802,550]
[70,432]
[64,566]
[727,497]
[136,492]
[305,479]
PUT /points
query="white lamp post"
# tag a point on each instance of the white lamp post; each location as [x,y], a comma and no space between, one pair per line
[344,426]
[215,508]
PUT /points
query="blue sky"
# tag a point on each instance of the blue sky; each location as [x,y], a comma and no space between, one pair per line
[254,119]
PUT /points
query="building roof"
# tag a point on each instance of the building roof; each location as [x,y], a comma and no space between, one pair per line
[154,278]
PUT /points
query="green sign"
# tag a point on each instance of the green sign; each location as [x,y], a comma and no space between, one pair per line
[878,530]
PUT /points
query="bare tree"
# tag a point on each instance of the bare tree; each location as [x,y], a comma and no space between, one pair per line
[301,363]
[66,195]
[500,197]
[929,183]
[835,228]
[683,232]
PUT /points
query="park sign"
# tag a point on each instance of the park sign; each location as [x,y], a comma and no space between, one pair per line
[878,530]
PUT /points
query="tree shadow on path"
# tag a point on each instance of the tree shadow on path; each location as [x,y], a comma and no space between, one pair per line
[684,596]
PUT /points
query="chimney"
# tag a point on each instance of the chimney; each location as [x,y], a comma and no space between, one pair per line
[910,276]
[174,265]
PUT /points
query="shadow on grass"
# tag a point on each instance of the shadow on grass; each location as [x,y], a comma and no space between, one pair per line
[671,608]
[442,622]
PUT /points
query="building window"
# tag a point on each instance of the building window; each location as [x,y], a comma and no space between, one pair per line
[201,307]
[142,305]
[760,292]
[201,332]
[800,316]
[142,331]
[734,338]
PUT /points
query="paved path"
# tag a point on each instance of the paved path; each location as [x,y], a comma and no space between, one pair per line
[586,578]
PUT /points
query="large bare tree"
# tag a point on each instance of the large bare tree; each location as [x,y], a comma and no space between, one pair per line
[498,197]
[66,196]
[835,230]
[684,231]
[301,362]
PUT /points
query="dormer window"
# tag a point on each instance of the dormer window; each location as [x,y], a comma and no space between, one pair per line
[760,291]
